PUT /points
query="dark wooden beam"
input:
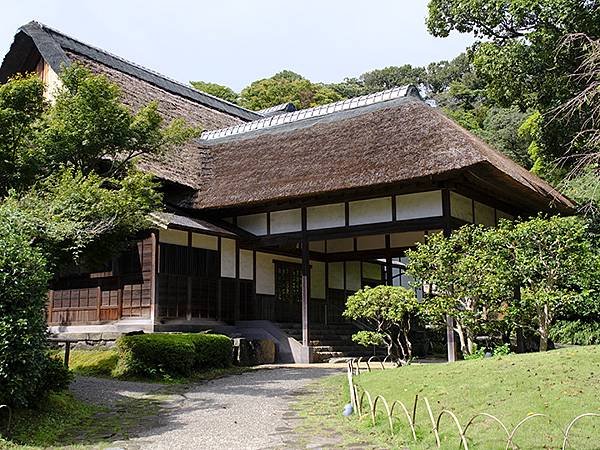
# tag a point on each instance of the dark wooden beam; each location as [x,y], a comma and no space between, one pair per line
[305,293]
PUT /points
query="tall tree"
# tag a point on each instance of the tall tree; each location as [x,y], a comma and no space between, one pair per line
[286,87]
[70,195]
[217,90]
[521,58]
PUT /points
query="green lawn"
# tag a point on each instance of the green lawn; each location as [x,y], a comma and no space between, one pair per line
[561,384]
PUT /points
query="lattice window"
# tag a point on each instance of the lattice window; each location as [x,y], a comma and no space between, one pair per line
[288,282]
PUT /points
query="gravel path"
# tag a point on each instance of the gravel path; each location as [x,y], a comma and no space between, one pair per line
[247,411]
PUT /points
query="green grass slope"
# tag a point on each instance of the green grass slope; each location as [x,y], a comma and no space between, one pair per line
[560,384]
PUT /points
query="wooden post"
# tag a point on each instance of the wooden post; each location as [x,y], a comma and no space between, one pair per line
[305,293]
[450,339]
[237,299]
[188,313]
[67,353]
[449,320]
[50,305]
[98,301]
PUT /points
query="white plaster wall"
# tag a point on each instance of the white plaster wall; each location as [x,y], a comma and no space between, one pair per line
[176,237]
[371,211]
[265,274]
[326,216]
[503,215]
[246,265]
[227,258]
[340,245]
[370,242]
[372,271]
[353,281]
[484,214]
[461,207]
[254,223]
[265,271]
[317,246]
[317,279]
[286,221]
[52,81]
[205,241]
[418,205]
[336,275]
[407,239]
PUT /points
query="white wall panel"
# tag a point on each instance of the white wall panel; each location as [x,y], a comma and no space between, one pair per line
[227,258]
[326,216]
[419,205]
[205,241]
[372,271]
[265,274]
[317,279]
[371,211]
[317,246]
[340,245]
[407,239]
[246,265]
[176,237]
[503,215]
[286,221]
[370,242]
[461,207]
[254,223]
[353,281]
[484,214]
[336,275]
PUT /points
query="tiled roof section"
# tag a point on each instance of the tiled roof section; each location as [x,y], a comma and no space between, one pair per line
[46,37]
[277,109]
[317,111]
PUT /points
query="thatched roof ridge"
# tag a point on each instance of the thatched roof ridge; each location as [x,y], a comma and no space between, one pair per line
[398,141]
[54,46]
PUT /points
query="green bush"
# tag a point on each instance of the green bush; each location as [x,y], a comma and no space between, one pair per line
[56,376]
[575,332]
[23,287]
[171,355]
[212,351]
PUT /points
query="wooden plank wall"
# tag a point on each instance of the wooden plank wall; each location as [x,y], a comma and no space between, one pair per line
[93,298]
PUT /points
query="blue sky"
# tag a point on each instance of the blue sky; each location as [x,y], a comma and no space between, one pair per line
[235,42]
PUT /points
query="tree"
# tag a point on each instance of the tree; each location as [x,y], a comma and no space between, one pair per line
[73,196]
[522,60]
[388,311]
[217,90]
[286,87]
[468,278]
[554,263]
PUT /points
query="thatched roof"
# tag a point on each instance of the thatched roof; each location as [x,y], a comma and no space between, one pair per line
[399,141]
[55,47]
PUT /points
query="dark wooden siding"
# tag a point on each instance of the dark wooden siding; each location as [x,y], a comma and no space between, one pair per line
[124,291]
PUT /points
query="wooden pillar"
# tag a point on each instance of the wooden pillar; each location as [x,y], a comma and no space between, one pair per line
[237,298]
[188,313]
[219,282]
[154,281]
[388,259]
[305,293]
[449,320]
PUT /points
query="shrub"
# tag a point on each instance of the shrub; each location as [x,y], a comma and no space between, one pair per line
[212,351]
[23,285]
[56,376]
[575,332]
[171,355]
[154,356]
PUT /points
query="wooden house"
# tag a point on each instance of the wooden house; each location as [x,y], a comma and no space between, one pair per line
[275,217]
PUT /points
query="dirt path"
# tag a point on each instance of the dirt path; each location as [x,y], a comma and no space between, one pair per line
[247,411]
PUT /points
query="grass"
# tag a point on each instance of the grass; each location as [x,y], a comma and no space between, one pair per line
[561,384]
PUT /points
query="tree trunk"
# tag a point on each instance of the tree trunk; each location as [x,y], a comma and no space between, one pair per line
[544,319]
[461,337]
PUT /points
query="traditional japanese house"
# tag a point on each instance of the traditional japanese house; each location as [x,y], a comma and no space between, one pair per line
[273,218]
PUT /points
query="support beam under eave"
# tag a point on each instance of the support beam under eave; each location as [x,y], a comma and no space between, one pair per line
[305,294]
[447,217]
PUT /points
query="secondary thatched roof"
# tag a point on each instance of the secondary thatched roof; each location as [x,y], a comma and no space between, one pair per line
[57,49]
[400,141]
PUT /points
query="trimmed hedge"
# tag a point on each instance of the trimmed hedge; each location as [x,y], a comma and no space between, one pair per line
[171,355]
